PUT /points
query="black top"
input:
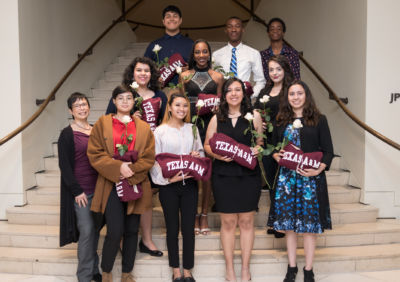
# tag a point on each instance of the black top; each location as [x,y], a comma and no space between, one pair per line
[69,187]
[236,133]
[272,104]
[312,139]
[201,82]
[169,46]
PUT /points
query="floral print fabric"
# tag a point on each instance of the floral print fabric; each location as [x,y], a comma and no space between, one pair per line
[296,205]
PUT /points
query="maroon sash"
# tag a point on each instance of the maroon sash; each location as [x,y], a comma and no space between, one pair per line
[150,111]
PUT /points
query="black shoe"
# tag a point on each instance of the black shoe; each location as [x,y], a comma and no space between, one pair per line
[189,279]
[97,277]
[144,249]
[291,274]
[308,275]
[279,235]
[179,279]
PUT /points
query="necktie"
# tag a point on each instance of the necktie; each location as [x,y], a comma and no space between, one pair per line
[233,67]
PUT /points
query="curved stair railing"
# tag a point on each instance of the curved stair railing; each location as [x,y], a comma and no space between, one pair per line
[256,18]
[332,93]
[52,94]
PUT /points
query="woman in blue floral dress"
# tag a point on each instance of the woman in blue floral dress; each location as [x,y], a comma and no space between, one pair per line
[302,203]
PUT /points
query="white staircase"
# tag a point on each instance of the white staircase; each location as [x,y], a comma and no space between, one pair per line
[358,241]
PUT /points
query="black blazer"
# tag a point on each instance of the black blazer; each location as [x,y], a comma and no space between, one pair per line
[312,139]
[69,187]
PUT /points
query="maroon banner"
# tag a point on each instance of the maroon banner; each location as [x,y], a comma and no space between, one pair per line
[294,158]
[125,191]
[168,72]
[171,164]
[210,101]
[224,145]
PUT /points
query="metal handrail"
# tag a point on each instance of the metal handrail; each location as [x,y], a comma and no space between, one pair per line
[181,28]
[65,77]
[329,89]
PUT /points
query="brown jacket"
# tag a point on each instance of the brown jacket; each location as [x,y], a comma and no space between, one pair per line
[100,152]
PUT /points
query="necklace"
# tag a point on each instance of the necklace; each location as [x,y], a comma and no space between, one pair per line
[234,115]
[80,126]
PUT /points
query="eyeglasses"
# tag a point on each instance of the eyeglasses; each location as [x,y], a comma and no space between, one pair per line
[81,105]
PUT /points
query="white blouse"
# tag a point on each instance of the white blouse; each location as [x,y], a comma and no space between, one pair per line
[175,141]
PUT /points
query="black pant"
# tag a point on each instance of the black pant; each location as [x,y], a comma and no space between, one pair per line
[119,225]
[177,197]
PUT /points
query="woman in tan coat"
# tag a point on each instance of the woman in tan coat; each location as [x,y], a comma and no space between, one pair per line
[122,218]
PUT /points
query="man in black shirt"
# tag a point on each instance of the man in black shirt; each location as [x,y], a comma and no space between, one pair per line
[173,41]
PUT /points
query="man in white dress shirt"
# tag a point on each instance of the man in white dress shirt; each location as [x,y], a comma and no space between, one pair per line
[239,58]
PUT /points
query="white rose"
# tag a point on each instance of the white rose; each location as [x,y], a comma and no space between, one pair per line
[135,85]
[118,145]
[126,119]
[249,116]
[200,104]
[226,77]
[297,124]
[178,70]
[157,48]
[264,99]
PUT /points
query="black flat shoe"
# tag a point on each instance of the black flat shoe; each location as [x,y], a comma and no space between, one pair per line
[144,249]
[279,234]
[178,279]
[189,279]
[97,277]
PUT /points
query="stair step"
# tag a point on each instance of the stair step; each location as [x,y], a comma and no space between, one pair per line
[207,263]
[100,103]
[49,215]
[44,196]
[338,177]
[354,234]
[50,178]
[50,195]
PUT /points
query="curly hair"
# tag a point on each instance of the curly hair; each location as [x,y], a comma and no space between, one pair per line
[154,83]
[223,109]
[174,95]
[192,62]
[311,113]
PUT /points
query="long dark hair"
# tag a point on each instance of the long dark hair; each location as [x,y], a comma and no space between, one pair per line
[192,62]
[288,73]
[154,83]
[223,110]
[287,78]
[311,113]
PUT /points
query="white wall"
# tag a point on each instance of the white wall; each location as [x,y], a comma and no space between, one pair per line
[382,162]
[10,109]
[51,34]
[332,35]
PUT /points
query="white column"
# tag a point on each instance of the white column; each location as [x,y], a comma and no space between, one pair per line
[11,188]
[382,162]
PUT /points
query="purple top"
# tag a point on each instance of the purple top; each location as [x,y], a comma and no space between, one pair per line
[85,174]
[291,54]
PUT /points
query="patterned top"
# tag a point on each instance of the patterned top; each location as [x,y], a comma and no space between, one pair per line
[291,54]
